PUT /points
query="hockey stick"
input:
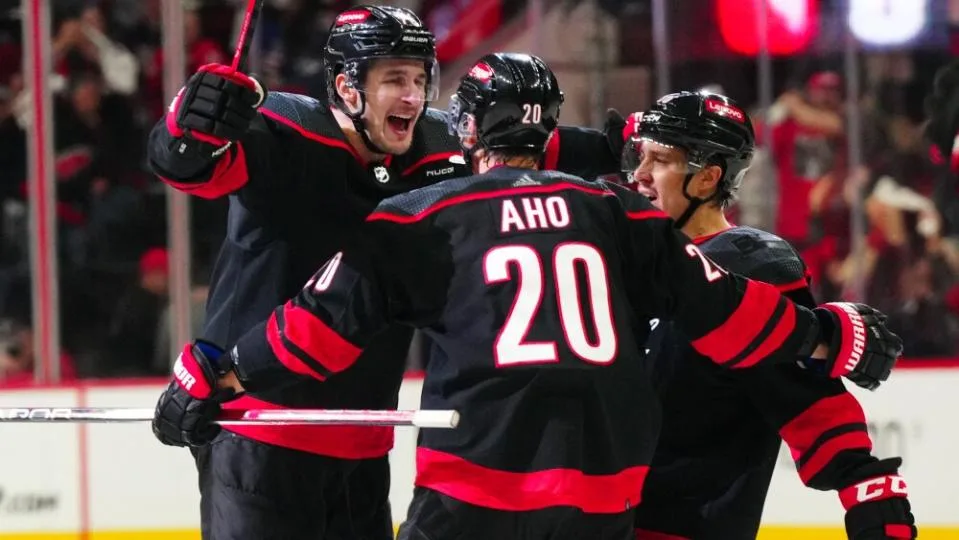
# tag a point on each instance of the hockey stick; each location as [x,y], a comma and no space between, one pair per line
[242,53]
[340,417]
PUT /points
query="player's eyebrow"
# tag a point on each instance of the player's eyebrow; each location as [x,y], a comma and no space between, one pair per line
[402,71]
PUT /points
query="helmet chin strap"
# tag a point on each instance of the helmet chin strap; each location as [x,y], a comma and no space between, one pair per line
[360,125]
[694,202]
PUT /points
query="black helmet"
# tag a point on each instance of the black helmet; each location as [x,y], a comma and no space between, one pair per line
[711,128]
[364,33]
[513,100]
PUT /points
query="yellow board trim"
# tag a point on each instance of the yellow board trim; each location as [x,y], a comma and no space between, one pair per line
[836,533]
[767,533]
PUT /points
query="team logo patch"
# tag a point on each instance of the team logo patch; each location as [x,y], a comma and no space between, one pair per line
[481,72]
[716,106]
[352,17]
[382,175]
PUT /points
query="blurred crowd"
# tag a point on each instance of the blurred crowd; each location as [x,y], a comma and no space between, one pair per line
[885,231]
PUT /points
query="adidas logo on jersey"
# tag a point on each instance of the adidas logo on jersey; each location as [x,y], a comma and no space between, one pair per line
[525,181]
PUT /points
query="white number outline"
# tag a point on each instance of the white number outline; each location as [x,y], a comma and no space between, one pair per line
[510,347]
[532,113]
[325,278]
[712,271]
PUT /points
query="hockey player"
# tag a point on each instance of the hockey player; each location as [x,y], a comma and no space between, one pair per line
[527,283]
[301,175]
[722,429]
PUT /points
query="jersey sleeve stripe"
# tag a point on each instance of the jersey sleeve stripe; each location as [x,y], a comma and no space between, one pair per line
[828,451]
[551,155]
[429,159]
[804,457]
[801,283]
[287,353]
[318,341]
[229,174]
[774,333]
[742,328]
[810,435]
[328,141]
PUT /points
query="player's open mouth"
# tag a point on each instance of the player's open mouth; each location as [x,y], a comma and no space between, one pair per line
[399,123]
[650,194]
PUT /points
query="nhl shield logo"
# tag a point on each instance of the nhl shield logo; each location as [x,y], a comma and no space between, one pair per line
[382,175]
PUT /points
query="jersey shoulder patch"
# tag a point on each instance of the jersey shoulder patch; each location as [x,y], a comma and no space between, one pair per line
[758,255]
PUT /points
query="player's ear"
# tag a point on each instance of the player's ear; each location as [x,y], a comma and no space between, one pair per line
[347,93]
[708,182]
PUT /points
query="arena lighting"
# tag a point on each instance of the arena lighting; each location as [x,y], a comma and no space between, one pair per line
[889,22]
[790,25]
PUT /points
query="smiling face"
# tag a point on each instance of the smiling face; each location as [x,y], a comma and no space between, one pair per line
[395,92]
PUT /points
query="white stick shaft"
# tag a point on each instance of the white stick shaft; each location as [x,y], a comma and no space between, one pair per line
[421,418]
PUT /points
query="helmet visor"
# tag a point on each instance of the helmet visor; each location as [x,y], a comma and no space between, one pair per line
[460,123]
[653,155]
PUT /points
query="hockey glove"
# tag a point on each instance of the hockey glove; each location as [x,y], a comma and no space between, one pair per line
[877,507]
[186,410]
[216,106]
[861,348]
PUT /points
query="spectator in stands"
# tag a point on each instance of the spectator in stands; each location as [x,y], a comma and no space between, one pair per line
[17,356]
[200,50]
[922,316]
[808,135]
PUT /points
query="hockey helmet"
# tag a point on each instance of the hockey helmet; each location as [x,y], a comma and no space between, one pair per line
[508,101]
[711,128]
[365,33]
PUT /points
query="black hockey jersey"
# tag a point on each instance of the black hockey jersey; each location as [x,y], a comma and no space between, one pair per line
[535,289]
[298,193]
[722,429]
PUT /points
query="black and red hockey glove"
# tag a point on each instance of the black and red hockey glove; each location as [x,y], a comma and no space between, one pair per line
[877,505]
[861,348]
[187,408]
[215,106]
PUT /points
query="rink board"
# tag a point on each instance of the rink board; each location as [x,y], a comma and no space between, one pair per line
[117,482]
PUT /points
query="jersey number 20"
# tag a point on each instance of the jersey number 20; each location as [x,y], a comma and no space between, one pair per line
[511,346]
